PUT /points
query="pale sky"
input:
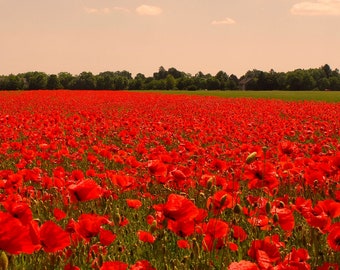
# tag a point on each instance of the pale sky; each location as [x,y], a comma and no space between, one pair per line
[191,35]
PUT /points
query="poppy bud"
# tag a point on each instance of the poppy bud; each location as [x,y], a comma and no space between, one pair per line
[251,157]
[223,200]
[210,182]
[153,226]
[196,247]
[117,217]
[237,209]
[276,218]
[3,261]
[268,207]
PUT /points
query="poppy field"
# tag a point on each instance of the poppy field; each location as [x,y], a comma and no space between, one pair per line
[123,180]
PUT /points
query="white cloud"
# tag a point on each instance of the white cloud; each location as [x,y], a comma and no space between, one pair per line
[97,10]
[317,8]
[121,9]
[148,10]
[224,21]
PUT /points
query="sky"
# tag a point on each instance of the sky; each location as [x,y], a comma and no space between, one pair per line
[140,36]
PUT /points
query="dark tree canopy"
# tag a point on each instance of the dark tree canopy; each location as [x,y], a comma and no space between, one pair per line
[322,78]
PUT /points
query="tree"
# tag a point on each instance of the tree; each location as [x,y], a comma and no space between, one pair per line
[170,82]
[232,82]
[161,74]
[86,80]
[53,82]
[65,79]
[121,82]
[223,79]
[36,80]
[105,80]
[323,84]
[213,84]
[175,73]
[11,82]
[327,69]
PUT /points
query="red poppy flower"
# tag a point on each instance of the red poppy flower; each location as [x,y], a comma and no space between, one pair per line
[330,207]
[243,265]
[125,182]
[59,214]
[265,252]
[53,238]
[182,228]
[142,265]
[115,265]
[71,267]
[328,266]
[239,233]
[220,201]
[261,175]
[16,238]
[296,259]
[85,190]
[157,168]
[178,175]
[333,238]
[106,237]
[134,203]
[286,218]
[146,237]
[261,221]
[215,232]
[183,244]
[19,210]
[179,208]
[89,225]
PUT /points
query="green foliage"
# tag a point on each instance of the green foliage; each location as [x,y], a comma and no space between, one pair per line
[322,78]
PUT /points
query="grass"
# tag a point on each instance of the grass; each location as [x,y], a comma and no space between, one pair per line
[327,96]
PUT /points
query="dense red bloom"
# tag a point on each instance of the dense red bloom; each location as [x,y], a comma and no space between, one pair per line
[179,208]
[106,237]
[296,259]
[125,182]
[265,252]
[115,265]
[157,168]
[16,238]
[183,244]
[53,238]
[286,218]
[333,238]
[239,233]
[261,175]
[243,265]
[85,190]
[165,145]
[330,207]
[71,267]
[182,228]
[215,232]
[261,221]
[220,201]
[59,214]
[146,237]
[19,210]
[328,266]
[142,265]
[89,225]
[134,203]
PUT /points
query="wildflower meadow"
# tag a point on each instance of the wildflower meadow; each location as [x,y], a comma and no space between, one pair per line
[125,180]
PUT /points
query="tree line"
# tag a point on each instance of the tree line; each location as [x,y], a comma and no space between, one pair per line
[322,78]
